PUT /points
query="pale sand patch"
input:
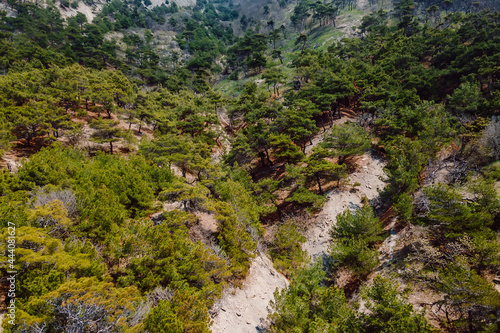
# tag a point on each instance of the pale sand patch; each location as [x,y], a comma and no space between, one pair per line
[207,221]
[89,11]
[180,3]
[244,310]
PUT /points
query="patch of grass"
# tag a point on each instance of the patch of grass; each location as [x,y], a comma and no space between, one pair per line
[322,37]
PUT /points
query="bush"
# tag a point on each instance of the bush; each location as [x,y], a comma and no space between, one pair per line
[390,310]
[470,297]
[304,197]
[347,140]
[492,171]
[355,255]
[361,225]
[287,250]
[307,305]
[81,113]
[404,208]
[234,76]
[456,214]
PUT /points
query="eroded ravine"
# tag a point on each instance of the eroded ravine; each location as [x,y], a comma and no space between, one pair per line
[245,309]
[369,177]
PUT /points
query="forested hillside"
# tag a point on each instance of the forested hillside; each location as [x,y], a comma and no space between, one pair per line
[163,164]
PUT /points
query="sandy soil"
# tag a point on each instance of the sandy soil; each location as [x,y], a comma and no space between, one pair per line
[10,161]
[88,11]
[180,3]
[91,11]
[362,4]
[207,221]
[386,250]
[369,174]
[244,310]
[9,13]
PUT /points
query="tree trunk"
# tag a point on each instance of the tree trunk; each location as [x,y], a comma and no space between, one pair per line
[342,159]
[469,320]
[319,184]
[262,156]
[278,210]
[267,156]
[323,124]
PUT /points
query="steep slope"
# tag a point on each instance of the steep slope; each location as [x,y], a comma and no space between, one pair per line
[244,310]
[369,174]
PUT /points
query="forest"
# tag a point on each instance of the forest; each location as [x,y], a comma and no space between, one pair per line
[154,154]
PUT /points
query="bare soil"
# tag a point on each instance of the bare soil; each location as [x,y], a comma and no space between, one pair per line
[90,12]
[370,175]
[244,310]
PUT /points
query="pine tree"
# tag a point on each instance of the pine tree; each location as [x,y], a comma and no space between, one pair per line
[106,132]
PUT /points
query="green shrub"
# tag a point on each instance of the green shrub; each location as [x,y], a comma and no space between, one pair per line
[362,224]
[286,250]
[492,171]
[404,207]
[355,255]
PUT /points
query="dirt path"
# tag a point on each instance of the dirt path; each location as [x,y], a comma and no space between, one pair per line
[369,175]
[244,310]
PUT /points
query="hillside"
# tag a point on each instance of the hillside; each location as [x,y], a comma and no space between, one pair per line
[237,166]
